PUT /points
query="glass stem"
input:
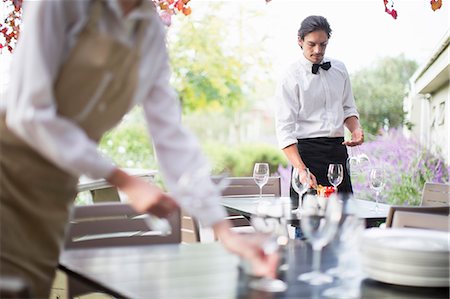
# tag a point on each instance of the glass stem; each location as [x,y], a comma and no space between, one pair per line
[376,200]
[260,192]
[317,251]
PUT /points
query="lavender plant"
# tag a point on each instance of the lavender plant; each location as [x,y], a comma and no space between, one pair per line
[408,166]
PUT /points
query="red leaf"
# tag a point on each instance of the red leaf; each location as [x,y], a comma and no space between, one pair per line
[187,11]
[179,5]
[436,4]
[389,8]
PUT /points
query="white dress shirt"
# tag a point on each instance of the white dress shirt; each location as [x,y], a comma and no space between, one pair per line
[313,105]
[31,111]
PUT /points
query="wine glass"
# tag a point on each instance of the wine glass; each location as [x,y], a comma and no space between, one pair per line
[358,164]
[270,225]
[377,182]
[335,174]
[319,224]
[345,242]
[300,184]
[347,269]
[261,175]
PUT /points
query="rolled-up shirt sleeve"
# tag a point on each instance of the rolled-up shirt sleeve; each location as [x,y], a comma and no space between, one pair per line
[348,103]
[286,111]
[31,108]
[177,150]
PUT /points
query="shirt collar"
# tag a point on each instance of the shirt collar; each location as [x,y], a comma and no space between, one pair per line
[308,64]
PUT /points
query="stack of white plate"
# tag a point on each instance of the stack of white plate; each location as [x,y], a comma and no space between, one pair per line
[403,256]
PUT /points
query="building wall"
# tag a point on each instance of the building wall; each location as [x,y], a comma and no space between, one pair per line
[439,122]
[427,105]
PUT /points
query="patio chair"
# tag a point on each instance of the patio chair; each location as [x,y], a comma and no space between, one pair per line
[111,224]
[14,287]
[237,186]
[435,194]
[246,186]
[436,218]
[190,229]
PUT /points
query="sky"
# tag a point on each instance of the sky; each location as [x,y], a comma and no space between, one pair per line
[362,31]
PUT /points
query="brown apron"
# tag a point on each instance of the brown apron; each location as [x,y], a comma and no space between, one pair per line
[94,89]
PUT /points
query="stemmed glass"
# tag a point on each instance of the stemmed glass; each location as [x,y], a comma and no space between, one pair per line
[300,184]
[358,164]
[261,175]
[347,268]
[377,182]
[335,174]
[319,224]
[270,225]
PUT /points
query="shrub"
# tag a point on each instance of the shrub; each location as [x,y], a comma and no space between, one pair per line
[408,166]
[128,144]
[239,160]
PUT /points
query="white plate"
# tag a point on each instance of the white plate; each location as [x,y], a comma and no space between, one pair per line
[407,280]
[440,271]
[419,240]
[402,258]
[405,245]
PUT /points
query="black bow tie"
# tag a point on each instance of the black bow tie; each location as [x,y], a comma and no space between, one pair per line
[315,67]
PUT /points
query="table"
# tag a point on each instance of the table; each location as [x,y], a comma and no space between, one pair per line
[156,271]
[204,271]
[247,206]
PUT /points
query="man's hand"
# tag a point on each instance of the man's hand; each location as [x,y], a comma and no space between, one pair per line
[357,138]
[144,197]
[312,178]
[249,247]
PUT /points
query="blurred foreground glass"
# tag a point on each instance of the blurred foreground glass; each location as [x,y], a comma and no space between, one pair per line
[270,224]
[348,267]
[319,223]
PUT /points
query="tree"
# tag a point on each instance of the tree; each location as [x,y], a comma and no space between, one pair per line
[204,75]
[379,92]
[212,68]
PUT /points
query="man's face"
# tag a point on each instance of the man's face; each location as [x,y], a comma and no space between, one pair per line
[314,45]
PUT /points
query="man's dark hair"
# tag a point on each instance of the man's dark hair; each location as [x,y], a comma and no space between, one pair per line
[313,23]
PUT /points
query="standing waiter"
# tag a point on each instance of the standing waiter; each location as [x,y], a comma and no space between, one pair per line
[314,102]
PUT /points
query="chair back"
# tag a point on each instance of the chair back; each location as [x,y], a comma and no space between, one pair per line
[247,186]
[14,287]
[190,228]
[436,218]
[237,186]
[114,224]
[435,194]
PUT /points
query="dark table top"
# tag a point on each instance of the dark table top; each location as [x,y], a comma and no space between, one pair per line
[207,271]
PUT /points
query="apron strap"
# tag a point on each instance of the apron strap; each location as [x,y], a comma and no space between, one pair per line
[94,14]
